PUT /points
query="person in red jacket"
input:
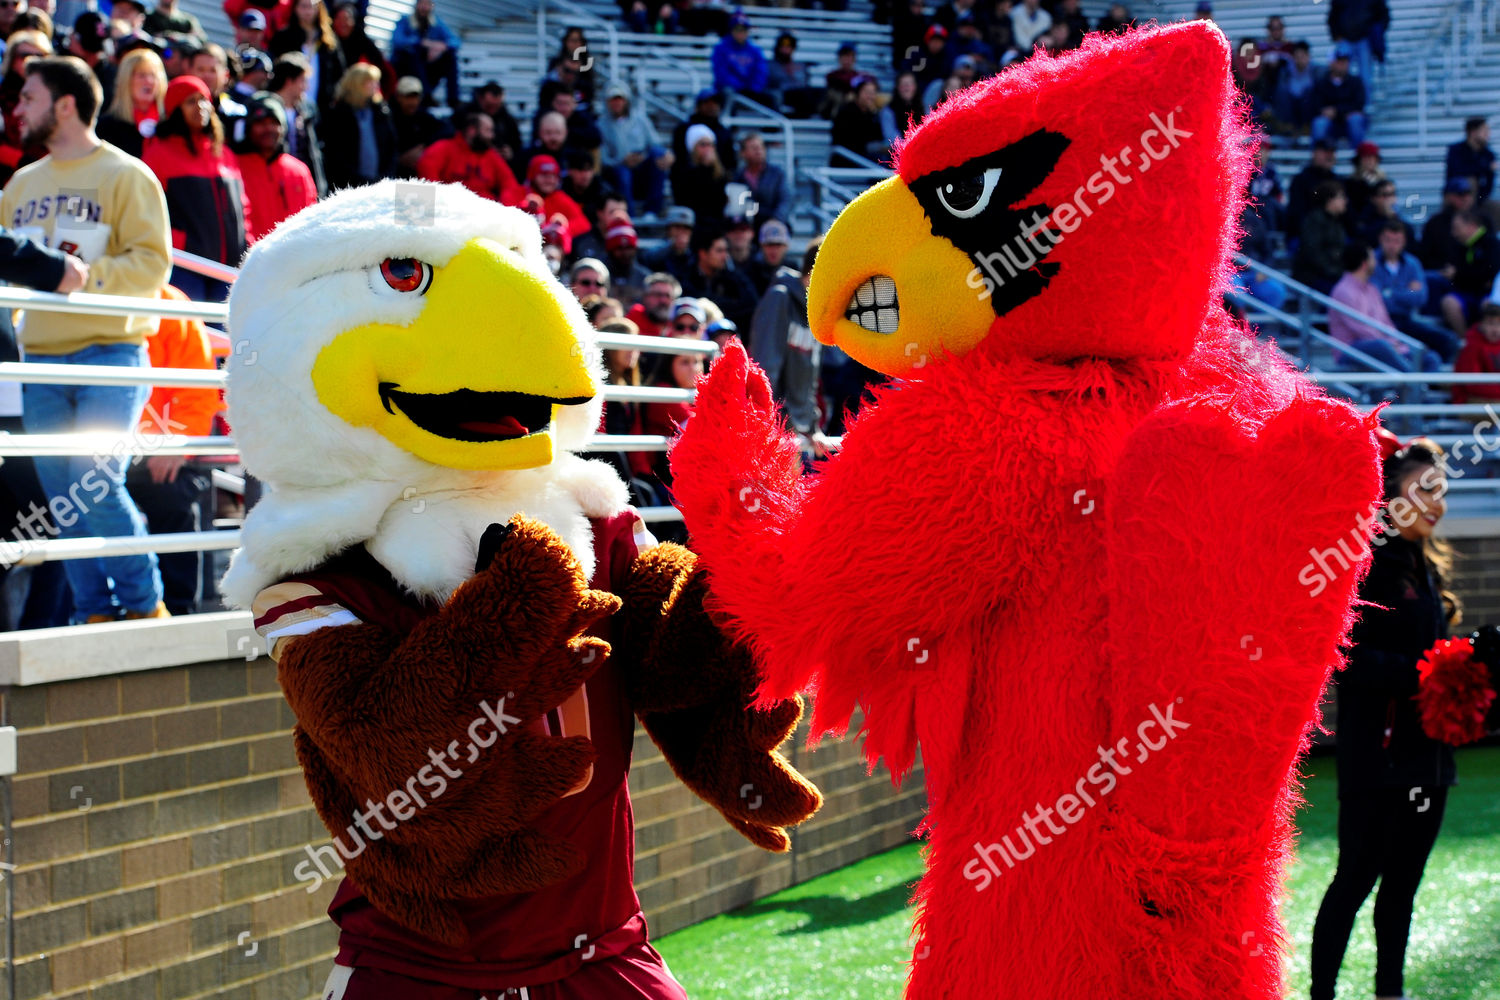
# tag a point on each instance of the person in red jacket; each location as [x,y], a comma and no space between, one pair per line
[1480,353]
[277,184]
[470,158]
[544,180]
[206,201]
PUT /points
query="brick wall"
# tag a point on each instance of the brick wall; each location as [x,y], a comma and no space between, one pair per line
[1476,580]
[159,817]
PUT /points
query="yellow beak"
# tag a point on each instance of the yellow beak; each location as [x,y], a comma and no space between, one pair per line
[881,248]
[476,380]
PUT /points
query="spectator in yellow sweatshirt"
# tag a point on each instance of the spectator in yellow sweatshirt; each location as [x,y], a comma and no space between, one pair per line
[103,206]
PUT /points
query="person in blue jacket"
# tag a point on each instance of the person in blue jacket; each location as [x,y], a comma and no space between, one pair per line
[739,64]
[424,47]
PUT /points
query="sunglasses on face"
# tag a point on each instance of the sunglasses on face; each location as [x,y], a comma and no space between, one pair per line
[687,326]
[588,283]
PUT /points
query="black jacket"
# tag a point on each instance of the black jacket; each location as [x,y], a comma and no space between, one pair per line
[331,62]
[24,261]
[1376,689]
[340,135]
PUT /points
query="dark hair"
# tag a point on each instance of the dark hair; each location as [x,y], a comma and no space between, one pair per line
[1354,256]
[70,76]
[1470,124]
[1489,310]
[1382,185]
[1394,226]
[810,255]
[1326,192]
[463,122]
[292,66]
[176,124]
[1301,47]
[1419,455]
[704,238]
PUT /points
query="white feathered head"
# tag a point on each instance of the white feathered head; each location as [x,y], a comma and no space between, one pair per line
[393,342]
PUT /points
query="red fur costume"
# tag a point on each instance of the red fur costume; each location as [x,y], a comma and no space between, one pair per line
[1094,550]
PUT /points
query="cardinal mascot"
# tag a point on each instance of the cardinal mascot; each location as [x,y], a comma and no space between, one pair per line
[1092,549]
[467,618]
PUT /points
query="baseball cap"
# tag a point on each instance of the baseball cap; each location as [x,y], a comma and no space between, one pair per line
[936,31]
[1343,50]
[687,306]
[590,264]
[256,109]
[617,90]
[774,231]
[721,325]
[1459,185]
[252,60]
[1204,7]
[619,236]
[738,20]
[847,47]
[408,85]
[253,20]
[542,165]
[709,94]
[680,215]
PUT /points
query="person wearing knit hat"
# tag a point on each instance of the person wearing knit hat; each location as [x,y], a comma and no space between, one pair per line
[699,181]
[563,217]
[629,277]
[206,201]
[697,134]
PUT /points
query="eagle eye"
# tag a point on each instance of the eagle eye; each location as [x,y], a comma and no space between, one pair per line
[966,197]
[401,276]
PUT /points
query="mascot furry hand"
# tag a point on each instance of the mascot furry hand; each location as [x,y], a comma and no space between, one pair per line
[465,614]
[1079,550]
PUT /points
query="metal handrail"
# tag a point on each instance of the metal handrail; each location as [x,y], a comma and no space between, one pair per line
[1306,331]
[1330,304]
[92,304]
[202,265]
[859,159]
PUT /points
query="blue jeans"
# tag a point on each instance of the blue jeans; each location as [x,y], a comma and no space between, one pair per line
[1364,64]
[1351,127]
[645,182]
[87,493]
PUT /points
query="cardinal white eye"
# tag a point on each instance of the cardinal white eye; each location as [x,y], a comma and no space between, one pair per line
[966,198]
[400,276]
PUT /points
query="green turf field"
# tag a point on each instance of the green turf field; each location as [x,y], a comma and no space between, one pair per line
[844,936]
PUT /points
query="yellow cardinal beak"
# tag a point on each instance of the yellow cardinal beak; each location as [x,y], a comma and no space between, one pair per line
[476,380]
[888,292]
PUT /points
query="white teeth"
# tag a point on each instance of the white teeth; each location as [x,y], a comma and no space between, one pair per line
[874,305]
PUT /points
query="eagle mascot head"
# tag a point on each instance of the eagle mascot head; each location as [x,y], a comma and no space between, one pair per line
[406,371]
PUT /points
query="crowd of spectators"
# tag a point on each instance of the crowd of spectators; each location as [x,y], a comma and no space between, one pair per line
[233,140]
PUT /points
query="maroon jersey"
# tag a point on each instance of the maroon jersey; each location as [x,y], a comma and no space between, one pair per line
[519,939]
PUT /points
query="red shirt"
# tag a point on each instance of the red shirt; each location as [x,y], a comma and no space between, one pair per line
[648,326]
[276,190]
[452,161]
[1477,355]
[528,938]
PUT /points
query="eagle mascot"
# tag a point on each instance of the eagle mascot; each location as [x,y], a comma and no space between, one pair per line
[466,616]
[1092,549]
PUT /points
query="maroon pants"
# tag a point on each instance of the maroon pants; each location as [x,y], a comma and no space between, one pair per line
[638,973]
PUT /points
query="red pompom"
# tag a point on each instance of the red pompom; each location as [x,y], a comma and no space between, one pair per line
[1455,693]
